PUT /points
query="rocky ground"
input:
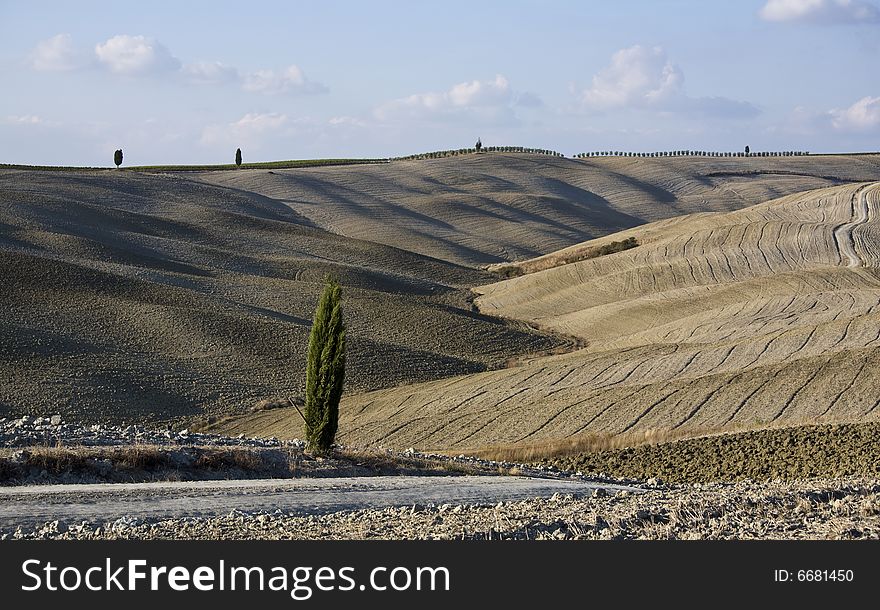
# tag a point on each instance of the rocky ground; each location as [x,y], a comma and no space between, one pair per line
[819,509]
[776,493]
[27,431]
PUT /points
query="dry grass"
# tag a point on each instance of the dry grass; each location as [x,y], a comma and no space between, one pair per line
[563,257]
[137,463]
[524,453]
[583,443]
[249,461]
[389,463]
[137,457]
[140,463]
[267,404]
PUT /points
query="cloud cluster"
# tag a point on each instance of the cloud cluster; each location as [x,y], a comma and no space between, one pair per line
[823,12]
[489,101]
[56,54]
[210,73]
[291,79]
[136,56]
[640,77]
[864,115]
[637,76]
[23,119]
[862,118]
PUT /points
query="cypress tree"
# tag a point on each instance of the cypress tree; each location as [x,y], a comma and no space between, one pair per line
[117,157]
[325,370]
[238,156]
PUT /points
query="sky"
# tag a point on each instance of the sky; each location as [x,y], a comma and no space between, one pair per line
[189,82]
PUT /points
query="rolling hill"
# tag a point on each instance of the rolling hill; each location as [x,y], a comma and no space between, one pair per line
[479,209]
[132,297]
[760,317]
[154,296]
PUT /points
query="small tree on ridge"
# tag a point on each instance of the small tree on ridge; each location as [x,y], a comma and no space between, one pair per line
[117,157]
[238,156]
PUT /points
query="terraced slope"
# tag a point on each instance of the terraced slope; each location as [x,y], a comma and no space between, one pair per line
[132,296]
[763,316]
[480,209]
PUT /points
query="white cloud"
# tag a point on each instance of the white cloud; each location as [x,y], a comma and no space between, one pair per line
[491,100]
[141,56]
[249,130]
[209,73]
[645,78]
[862,116]
[133,55]
[289,80]
[637,76]
[24,119]
[346,121]
[56,54]
[821,11]
[476,93]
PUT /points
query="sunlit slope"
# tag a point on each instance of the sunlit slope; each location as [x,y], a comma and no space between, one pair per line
[742,319]
[692,263]
[480,209]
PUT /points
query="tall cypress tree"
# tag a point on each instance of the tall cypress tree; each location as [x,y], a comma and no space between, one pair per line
[117,157]
[238,156]
[325,369]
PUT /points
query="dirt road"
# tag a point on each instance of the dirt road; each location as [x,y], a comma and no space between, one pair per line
[27,506]
[843,234]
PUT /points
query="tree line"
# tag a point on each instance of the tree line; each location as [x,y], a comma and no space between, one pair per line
[693,153]
[437,154]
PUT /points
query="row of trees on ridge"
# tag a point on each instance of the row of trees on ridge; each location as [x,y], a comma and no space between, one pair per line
[693,153]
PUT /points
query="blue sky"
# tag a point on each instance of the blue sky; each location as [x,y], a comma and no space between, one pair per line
[188,82]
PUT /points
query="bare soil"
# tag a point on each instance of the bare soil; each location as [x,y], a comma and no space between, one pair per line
[801,452]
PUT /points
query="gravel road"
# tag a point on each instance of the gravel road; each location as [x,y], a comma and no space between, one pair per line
[28,506]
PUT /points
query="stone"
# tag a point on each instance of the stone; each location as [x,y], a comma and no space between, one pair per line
[21,456]
[55,420]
